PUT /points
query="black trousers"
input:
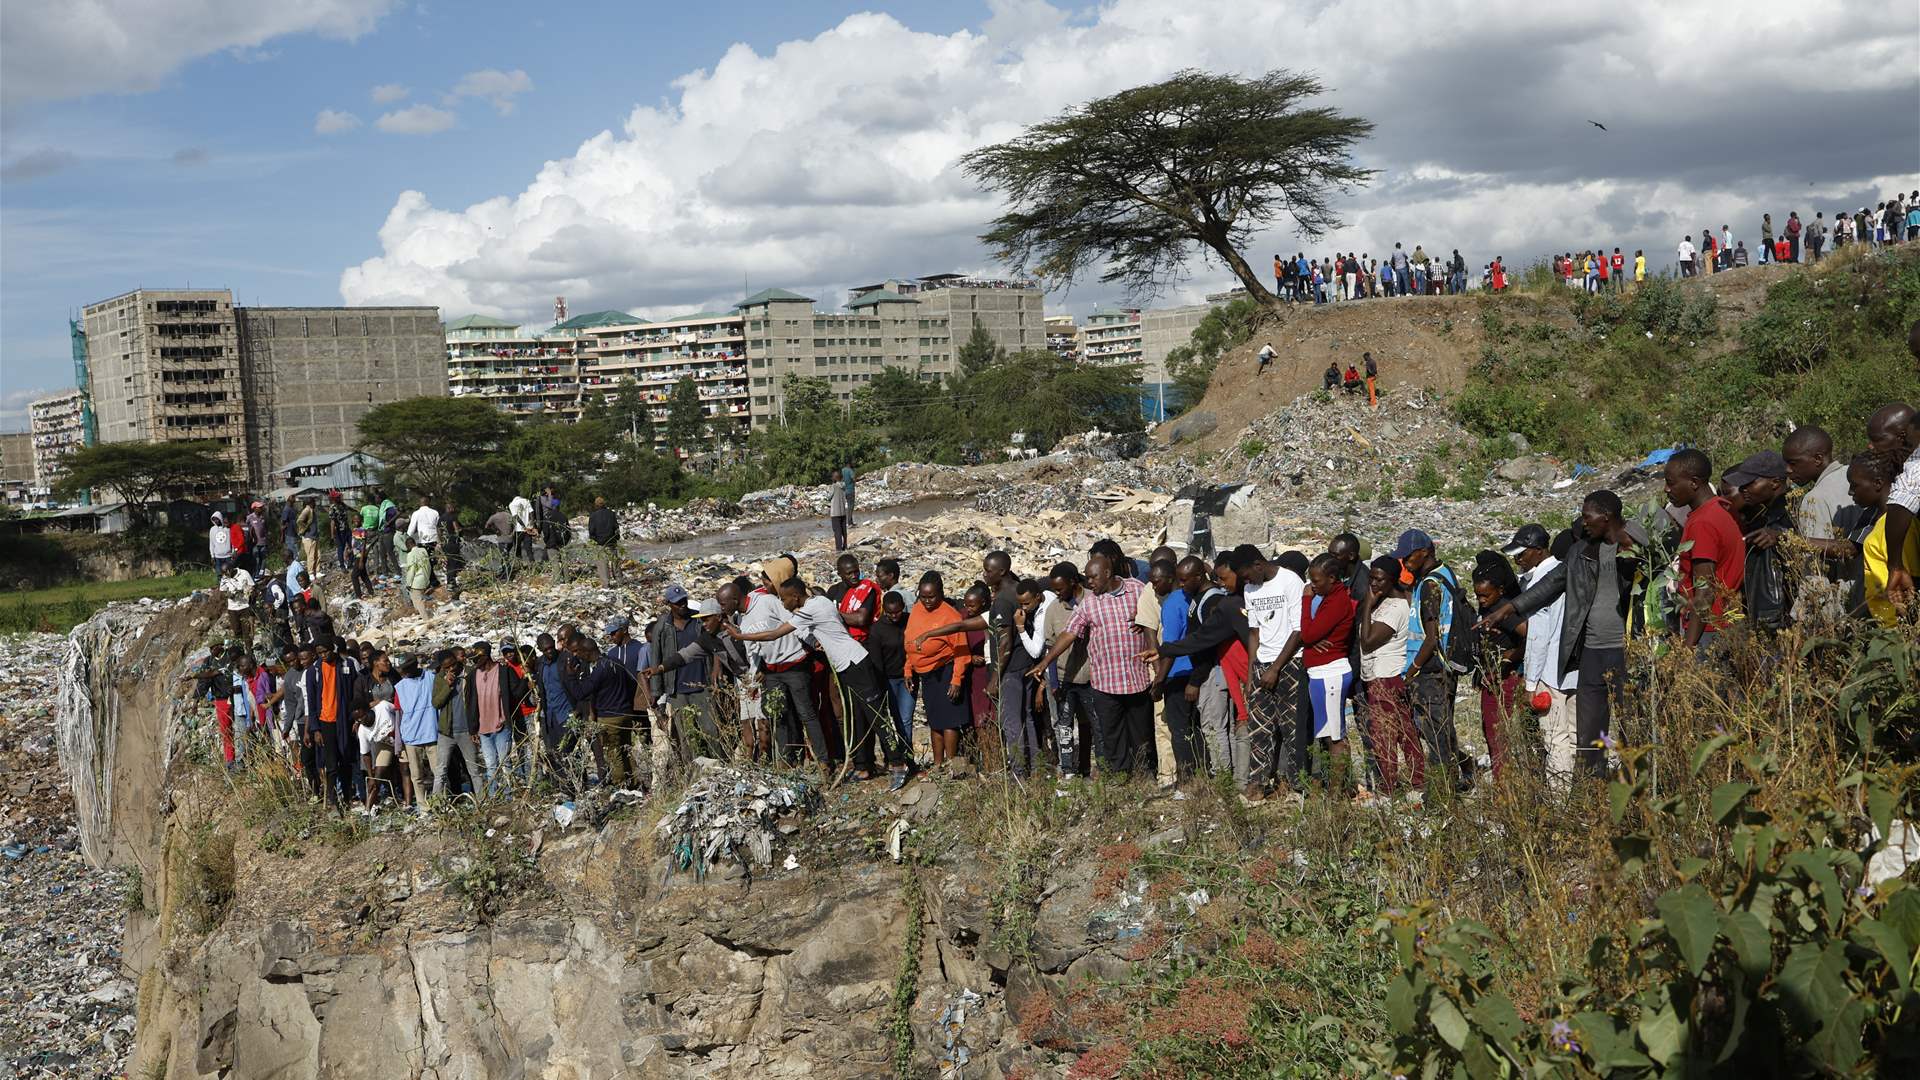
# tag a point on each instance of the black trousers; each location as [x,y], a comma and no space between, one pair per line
[798,719]
[1183,728]
[864,698]
[1123,731]
[840,532]
[1603,674]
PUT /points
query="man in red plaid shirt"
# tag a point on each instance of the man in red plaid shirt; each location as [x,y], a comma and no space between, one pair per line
[1122,708]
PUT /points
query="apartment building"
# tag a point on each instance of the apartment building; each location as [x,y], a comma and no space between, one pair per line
[1063,336]
[739,357]
[267,384]
[653,356]
[523,373]
[1111,336]
[57,427]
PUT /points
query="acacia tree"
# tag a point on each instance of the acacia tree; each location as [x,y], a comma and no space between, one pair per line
[1129,182]
[140,473]
[435,445]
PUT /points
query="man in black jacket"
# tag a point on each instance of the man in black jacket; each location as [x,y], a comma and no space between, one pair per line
[1601,575]
[606,690]
[603,530]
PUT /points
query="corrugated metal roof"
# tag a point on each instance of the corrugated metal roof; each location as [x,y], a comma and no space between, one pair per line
[480,322]
[879,296]
[765,295]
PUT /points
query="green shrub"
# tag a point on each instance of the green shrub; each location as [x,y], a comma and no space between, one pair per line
[1778,961]
[1427,481]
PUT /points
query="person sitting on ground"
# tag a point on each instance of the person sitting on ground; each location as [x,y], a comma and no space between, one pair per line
[1331,380]
[1350,382]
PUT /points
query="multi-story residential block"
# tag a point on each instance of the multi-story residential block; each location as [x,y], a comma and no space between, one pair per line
[524,373]
[57,427]
[1111,336]
[651,357]
[1063,336]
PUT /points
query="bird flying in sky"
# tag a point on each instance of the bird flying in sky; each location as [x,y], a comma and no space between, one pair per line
[1598,124]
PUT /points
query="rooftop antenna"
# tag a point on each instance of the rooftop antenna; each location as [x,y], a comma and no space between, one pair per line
[559,310]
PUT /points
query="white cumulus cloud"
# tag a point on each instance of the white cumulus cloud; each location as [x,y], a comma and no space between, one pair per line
[71,48]
[334,121]
[388,93]
[415,120]
[830,161]
[498,88]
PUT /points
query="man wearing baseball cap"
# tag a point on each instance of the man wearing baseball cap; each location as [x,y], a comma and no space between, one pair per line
[1757,488]
[789,679]
[1431,681]
[1540,669]
[1600,578]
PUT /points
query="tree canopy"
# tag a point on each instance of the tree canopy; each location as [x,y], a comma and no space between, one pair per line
[141,473]
[626,414]
[816,437]
[435,445]
[686,417]
[1129,182]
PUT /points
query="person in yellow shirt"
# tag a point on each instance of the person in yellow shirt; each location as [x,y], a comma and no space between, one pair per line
[1639,267]
[1870,477]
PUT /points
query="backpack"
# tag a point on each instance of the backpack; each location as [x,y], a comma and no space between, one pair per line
[1459,655]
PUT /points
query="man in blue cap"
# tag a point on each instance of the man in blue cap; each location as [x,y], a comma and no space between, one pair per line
[1431,680]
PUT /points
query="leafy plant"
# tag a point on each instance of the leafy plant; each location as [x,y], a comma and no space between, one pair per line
[1782,957]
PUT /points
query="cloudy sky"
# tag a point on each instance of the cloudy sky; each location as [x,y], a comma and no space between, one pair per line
[662,158]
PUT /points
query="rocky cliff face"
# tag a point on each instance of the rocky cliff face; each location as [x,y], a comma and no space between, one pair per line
[342,950]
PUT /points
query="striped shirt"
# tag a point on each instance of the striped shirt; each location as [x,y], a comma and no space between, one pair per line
[1114,641]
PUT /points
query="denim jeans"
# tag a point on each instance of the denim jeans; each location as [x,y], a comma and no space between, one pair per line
[1072,707]
[900,702]
[443,751]
[495,751]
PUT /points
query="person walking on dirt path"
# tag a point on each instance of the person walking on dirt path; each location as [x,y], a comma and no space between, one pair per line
[1265,357]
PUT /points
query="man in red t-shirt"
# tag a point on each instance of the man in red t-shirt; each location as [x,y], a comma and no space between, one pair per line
[1619,270]
[857,598]
[1713,554]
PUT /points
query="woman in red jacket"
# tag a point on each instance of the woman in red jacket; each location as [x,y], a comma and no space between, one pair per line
[1326,625]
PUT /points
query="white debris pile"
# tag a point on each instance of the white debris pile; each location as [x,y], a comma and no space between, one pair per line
[68,1008]
[734,813]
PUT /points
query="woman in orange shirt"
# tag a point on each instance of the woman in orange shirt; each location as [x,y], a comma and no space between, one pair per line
[937,666]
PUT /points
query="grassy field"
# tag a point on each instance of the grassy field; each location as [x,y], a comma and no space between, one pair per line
[59,609]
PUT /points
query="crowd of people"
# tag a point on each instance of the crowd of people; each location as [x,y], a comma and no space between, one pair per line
[422,552]
[1287,670]
[1335,278]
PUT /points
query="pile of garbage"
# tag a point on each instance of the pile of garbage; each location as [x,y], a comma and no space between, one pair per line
[734,813]
[66,1009]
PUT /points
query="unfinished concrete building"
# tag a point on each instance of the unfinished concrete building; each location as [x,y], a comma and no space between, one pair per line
[311,373]
[164,366]
[268,384]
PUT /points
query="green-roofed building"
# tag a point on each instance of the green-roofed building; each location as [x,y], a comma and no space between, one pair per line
[876,297]
[522,372]
[595,319]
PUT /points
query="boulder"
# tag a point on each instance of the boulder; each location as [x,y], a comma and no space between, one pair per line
[1194,425]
